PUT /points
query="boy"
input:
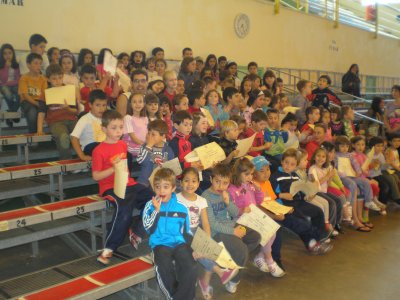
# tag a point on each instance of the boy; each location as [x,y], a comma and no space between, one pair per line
[258,123]
[155,151]
[181,102]
[167,222]
[391,116]
[158,53]
[87,133]
[255,82]
[298,225]
[322,95]
[31,88]
[171,83]
[211,84]
[180,144]
[196,100]
[348,119]
[242,125]
[222,213]
[61,118]
[312,116]
[180,88]
[231,97]
[229,135]
[106,155]
[222,60]
[252,67]
[37,44]
[305,89]
[392,154]
[277,137]
[319,138]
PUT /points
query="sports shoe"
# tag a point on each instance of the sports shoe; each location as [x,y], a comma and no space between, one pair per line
[380,204]
[228,275]
[134,239]
[275,270]
[206,290]
[320,249]
[231,287]
[104,257]
[372,205]
[335,233]
[261,264]
[383,212]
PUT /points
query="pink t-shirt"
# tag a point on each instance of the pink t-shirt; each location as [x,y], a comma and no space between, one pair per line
[319,173]
[138,126]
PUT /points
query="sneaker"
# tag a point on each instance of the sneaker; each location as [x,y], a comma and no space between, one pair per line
[134,239]
[335,233]
[380,204]
[261,264]
[231,287]
[383,212]
[275,270]
[104,257]
[228,275]
[206,290]
[372,205]
[320,249]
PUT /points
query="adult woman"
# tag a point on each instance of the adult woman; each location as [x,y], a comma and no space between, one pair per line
[351,81]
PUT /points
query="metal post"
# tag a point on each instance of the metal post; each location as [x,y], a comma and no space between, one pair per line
[26,148]
[326,9]
[306,6]
[297,4]
[277,6]
[52,188]
[376,21]
[336,18]
[60,187]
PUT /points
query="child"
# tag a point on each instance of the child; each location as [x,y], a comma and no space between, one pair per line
[166,112]
[37,45]
[244,193]
[180,88]
[61,118]
[269,82]
[392,115]
[137,60]
[289,124]
[188,72]
[87,133]
[211,84]
[318,138]
[196,100]
[167,221]
[150,68]
[304,88]
[326,120]
[68,64]
[171,83]
[231,97]
[123,61]
[105,156]
[252,68]
[222,214]
[245,89]
[242,125]
[152,107]
[281,181]
[313,116]
[392,154]
[181,102]
[267,101]
[322,95]
[348,121]
[9,76]
[156,85]
[197,207]
[135,124]
[161,66]
[336,123]
[216,110]
[31,88]
[258,123]
[276,137]
[53,54]
[229,135]
[86,56]
[255,102]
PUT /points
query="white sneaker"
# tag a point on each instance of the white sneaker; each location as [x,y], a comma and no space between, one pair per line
[231,287]
[261,264]
[275,270]
[372,205]
[335,233]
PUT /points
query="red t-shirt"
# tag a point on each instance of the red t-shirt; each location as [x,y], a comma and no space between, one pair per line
[192,110]
[170,97]
[56,113]
[102,158]
[258,140]
[85,91]
[311,147]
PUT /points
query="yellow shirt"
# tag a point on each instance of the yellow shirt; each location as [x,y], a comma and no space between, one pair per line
[34,86]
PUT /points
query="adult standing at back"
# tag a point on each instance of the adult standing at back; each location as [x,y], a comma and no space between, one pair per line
[351,83]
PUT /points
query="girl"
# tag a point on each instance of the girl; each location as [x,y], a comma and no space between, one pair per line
[100,60]
[245,192]
[151,68]
[135,124]
[123,58]
[336,125]
[215,108]
[255,102]
[269,82]
[166,112]
[9,76]
[188,72]
[289,124]
[198,215]
[157,85]
[54,55]
[161,66]
[68,64]
[232,68]
[358,145]
[326,119]
[375,112]
[206,72]
[152,107]
[86,56]
[245,89]
[211,62]
[137,60]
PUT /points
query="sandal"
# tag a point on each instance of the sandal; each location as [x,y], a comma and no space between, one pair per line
[368,224]
[363,229]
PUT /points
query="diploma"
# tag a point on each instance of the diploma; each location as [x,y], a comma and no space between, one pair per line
[345,167]
[259,221]
[110,63]
[276,208]
[121,178]
[290,109]
[225,260]
[172,164]
[98,134]
[244,145]
[60,95]
[124,81]
[367,162]
[208,155]
[209,117]
[309,188]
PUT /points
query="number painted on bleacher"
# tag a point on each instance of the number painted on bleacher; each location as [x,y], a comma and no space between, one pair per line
[37,172]
[4,142]
[21,223]
[80,210]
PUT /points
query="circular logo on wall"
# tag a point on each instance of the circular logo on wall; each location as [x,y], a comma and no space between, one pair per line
[242,25]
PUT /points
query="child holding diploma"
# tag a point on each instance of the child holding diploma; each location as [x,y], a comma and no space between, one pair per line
[106,157]
[197,207]
[216,110]
[167,221]
[244,193]
[222,214]
[229,135]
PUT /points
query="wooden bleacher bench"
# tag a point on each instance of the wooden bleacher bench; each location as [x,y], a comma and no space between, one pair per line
[100,283]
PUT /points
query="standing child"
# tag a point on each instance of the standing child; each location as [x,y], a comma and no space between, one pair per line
[244,193]
[167,221]
[105,157]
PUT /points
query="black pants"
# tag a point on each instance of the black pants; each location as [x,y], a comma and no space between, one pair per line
[176,271]
[301,227]
[335,208]
[384,188]
[88,150]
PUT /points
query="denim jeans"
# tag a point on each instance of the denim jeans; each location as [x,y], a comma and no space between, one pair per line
[61,131]
[10,94]
[31,114]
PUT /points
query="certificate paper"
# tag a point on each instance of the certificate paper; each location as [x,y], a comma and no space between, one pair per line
[172,164]
[121,178]
[124,81]
[208,155]
[370,157]
[259,221]
[209,117]
[244,145]
[110,63]
[309,188]
[344,167]
[276,208]
[60,95]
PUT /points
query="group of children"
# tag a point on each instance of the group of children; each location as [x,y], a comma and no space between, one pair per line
[164,116]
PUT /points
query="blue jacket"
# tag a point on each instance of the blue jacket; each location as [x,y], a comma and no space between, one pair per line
[168,226]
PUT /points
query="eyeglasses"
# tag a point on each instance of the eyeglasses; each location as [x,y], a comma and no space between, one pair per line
[140,81]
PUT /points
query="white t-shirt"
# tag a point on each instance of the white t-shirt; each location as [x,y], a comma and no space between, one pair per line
[86,128]
[194,208]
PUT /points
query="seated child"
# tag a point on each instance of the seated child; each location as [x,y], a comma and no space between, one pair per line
[326,120]
[229,135]
[167,221]
[348,122]
[216,110]
[318,138]
[166,113]
[242,125]
[181,102]
[301,101]
[231,97]
[171,82]
[255,102]
[196,100]
[336,123]
[152,104]
[258,123]
[392,153]
[312,116]
[322,95]
[290,124]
